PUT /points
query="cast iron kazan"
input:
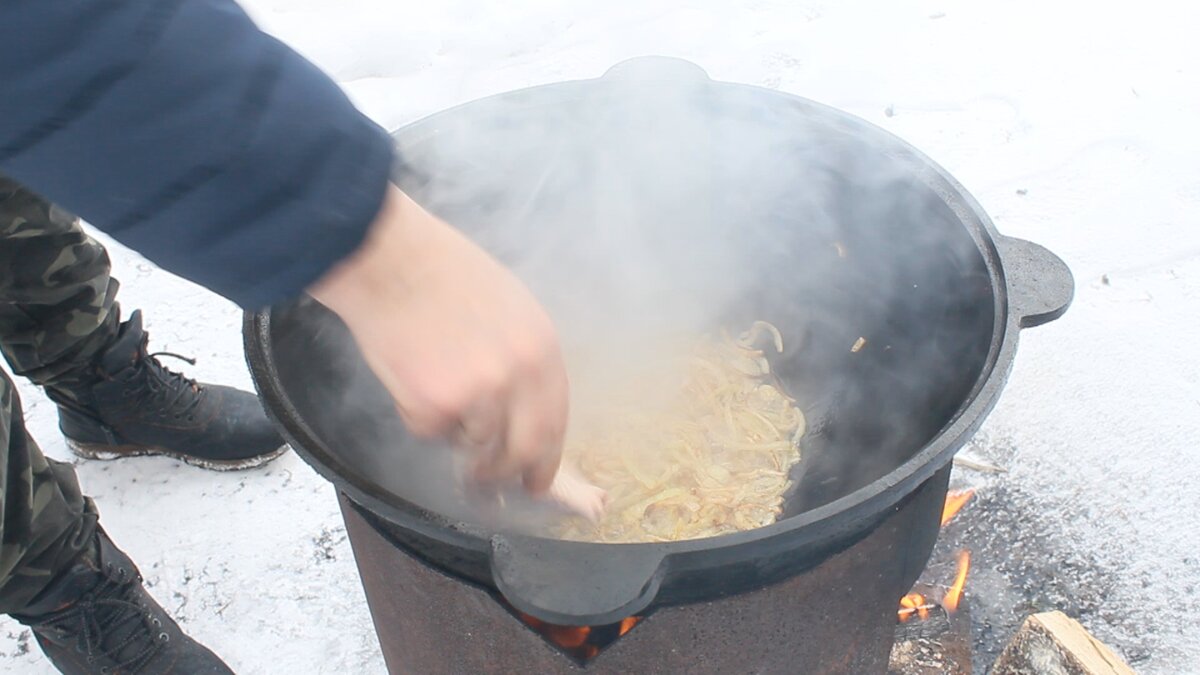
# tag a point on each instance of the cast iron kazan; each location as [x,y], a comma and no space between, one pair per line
[844,231]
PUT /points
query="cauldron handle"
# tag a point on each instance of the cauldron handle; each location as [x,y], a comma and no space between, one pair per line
[567,583]
[656,69]
[1040,285]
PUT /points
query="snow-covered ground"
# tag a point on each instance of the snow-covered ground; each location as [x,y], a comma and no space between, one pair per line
[1075,124]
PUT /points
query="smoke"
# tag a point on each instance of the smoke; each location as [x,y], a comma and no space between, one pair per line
[619,206]
[653,206]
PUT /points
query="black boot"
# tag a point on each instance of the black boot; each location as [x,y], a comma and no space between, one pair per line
[97,619]
[128,404]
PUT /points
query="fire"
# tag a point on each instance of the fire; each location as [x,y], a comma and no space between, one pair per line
[955,500]
[954,595]
[914,604]
[571,637]
[582,642]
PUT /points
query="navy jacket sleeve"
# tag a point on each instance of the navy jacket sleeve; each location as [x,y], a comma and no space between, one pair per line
[189,135]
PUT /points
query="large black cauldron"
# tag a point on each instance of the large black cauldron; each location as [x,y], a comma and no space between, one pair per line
[833,229]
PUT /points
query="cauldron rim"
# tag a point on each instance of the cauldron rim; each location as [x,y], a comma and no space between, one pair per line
[1030,286]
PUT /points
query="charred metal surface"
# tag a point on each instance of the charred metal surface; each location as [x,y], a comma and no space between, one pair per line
[837,618]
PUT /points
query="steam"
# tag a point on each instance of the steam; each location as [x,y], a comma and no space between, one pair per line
[651,207]
[615,208]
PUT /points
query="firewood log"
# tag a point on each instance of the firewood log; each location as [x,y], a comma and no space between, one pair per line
[1054,644]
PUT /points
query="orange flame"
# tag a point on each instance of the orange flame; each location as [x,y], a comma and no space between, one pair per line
[955,500]
[577,640]
[954,595]
[914,604]
[570,637]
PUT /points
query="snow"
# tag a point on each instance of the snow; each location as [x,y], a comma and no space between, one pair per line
[1073,124]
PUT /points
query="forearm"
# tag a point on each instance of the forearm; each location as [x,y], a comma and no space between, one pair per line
[188,134]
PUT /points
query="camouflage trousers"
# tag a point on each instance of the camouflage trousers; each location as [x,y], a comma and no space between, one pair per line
[57,312]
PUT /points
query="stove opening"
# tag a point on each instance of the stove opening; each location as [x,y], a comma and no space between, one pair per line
[580,643]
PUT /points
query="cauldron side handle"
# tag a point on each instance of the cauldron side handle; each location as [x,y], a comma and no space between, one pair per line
[1040,285]
[569,583]
[656,69]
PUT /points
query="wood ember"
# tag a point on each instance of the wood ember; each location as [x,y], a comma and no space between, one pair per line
[1052,643]
[937,645]
[936,624]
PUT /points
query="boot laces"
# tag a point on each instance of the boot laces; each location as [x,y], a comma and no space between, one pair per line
[177,393]
[98,616]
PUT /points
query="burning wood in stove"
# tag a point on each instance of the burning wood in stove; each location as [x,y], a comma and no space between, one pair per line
[920,617]
[915,605]
[937,644]
[931,636]
[582,643]
[954,593]
[928,620]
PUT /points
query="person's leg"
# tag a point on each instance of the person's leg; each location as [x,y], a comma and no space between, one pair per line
[57,300]
[60,327]
[45,521]
[62,576]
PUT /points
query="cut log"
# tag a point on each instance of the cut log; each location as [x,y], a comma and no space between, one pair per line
[1053,643]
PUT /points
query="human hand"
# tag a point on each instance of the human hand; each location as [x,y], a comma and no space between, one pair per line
[571,491]
[457,339]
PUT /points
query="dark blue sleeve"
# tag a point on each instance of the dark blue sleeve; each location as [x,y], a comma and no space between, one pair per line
[189,135]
